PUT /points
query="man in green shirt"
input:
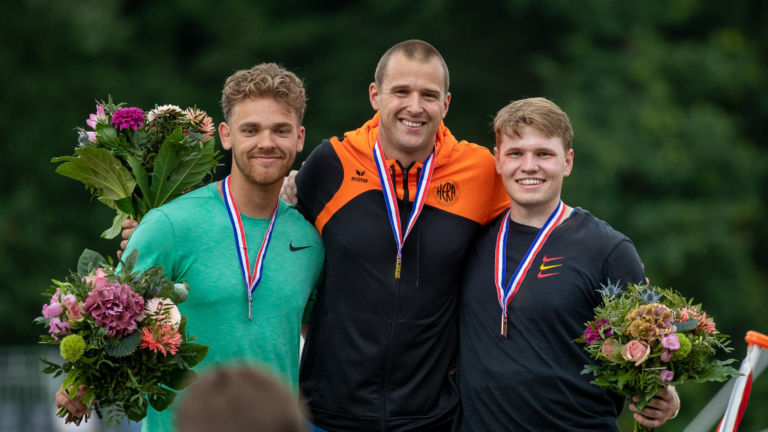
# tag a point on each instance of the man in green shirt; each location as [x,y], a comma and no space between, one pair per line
[194,240]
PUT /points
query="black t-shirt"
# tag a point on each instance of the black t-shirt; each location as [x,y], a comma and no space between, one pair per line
[532,380]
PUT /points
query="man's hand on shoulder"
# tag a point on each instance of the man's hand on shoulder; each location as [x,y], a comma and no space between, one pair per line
[128,226]
[288,192]
[661,408]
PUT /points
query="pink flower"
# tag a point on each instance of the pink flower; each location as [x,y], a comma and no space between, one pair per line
[94,118]
[636,351]
[592,334]
[116,308]
[671,342]
[68,300]
[96,279]
[666,375]
[666,356]
[128,118]
[75,312]
[53,310]
[693,313]
[611,350]
[91,136]
[58,327]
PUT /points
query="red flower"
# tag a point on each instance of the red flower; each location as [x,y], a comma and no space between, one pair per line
[162,337]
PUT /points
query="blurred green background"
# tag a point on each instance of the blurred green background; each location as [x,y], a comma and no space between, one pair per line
[667,99]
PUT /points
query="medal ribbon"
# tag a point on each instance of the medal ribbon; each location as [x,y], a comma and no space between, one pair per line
[506,294]
[251,279]
[390,198]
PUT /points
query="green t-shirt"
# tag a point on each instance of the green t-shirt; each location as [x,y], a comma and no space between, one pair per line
[192,238]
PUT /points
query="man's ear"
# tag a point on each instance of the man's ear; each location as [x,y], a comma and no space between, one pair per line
[225,137]
[300,142]
[373,95]
[568,163]
[496,159]
[446,103]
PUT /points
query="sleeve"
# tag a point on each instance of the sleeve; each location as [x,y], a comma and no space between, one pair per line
[318,180]
[499,199]
[310,307]
[155,241]
[623,265]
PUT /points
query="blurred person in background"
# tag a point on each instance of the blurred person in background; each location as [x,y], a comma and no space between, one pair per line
[239,399]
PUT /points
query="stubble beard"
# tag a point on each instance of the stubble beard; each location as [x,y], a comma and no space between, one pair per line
[263,177]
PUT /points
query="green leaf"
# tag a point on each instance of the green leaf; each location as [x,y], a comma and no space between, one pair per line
[125,346]
[130,262]
[125,205]
[174,174]
[180,379]
[117,226]
[166,161]
[162,400]
[107,135]
[136,413]
[686,325]
[89,261]
[199,351]
[142,179]
[97,168]
[71,377]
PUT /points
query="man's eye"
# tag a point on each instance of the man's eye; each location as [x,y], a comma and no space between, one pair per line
[430,96]
[283,131]
[250,131]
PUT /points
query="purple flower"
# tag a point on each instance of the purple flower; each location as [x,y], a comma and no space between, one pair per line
[671,342]
[592,334]
[666,356]
[666,375]
[128,118]
[53,310]
[116,308]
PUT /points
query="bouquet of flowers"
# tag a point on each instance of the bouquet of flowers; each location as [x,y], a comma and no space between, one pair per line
[166,152]
[121,335]
[646,338]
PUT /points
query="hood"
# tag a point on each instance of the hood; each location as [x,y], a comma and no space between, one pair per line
[364,138]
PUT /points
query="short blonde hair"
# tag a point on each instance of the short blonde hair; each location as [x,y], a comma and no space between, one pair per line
[538,113]
[265,80]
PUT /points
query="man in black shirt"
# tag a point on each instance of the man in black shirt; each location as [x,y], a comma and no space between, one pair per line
[518,369]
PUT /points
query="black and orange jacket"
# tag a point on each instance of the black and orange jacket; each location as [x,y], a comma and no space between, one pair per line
[380,350]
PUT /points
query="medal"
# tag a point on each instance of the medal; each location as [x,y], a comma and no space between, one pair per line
[390,199]
[251,279]
[505,294]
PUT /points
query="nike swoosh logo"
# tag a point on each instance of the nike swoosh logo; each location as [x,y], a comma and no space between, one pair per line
[543,267]
[545,275]
[546,260]
[294,249]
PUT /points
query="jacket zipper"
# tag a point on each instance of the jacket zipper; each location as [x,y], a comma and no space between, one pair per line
[393,323]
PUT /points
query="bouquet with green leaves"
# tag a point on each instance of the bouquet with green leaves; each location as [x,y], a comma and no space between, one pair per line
[646,338]
[121,335]
[134,161]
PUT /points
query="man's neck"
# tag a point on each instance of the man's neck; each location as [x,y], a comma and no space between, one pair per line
[255,201]
[405,158]
[535,216]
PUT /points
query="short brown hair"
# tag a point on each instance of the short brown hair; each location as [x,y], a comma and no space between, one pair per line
[265,80]
[413,49]
[538,113]
[239,399]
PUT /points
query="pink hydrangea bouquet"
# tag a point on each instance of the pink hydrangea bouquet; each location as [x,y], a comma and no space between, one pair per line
[134,161]
[121,335]
[645,338]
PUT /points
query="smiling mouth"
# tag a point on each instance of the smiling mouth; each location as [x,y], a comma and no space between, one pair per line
[530,182]
[413,124]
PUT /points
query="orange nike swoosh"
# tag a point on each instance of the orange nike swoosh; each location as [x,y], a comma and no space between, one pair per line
[543,267]
[545,259]
[545,275]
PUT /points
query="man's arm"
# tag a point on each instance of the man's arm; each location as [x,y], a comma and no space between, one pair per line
[623,266]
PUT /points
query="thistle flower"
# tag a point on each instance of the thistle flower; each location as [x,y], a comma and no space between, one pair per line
[128,118]
[161,337]
[116,308]
[650,296]
[611,290]
[169,111]
[72,348]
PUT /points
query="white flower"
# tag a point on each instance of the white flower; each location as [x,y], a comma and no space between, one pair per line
[167,110]
[163,309]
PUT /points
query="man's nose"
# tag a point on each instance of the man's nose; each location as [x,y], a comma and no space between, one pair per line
[414,104]
[529,163]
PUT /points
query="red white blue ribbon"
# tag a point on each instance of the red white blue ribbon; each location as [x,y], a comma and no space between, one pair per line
[505,295]
[390,198]
[252,279]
